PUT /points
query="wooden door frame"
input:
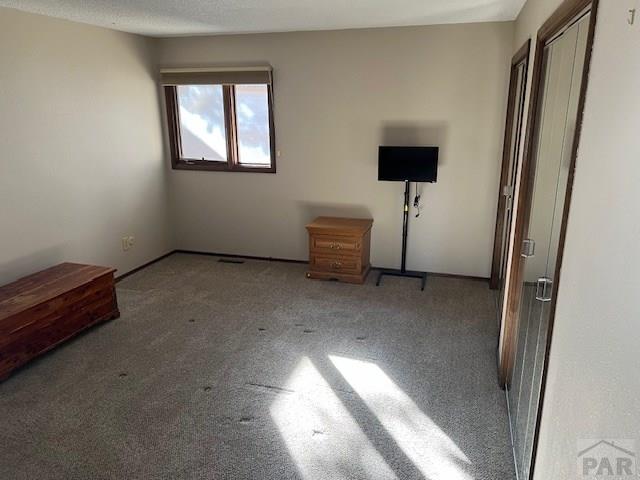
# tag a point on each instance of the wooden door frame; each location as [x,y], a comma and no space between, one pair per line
[560,19]
[522,55]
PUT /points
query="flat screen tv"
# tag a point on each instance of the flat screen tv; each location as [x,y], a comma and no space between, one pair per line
[415,164]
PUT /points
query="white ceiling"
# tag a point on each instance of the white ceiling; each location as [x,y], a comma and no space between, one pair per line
[194,17]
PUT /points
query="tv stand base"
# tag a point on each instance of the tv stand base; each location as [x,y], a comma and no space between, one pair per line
[401,273]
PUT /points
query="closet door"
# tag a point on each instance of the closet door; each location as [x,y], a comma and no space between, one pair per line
[563,61]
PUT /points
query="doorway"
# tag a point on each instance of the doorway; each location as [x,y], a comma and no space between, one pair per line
[510,155]
[559,82]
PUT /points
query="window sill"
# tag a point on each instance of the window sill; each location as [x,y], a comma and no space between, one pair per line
[220,167]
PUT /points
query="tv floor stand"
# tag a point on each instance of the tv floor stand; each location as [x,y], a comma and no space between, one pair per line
[403,272]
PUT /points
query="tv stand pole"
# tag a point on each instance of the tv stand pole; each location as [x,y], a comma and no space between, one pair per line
[403,272]
[405,226]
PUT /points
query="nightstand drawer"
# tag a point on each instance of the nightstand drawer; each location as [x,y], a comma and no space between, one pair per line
[334,263]
[335,244]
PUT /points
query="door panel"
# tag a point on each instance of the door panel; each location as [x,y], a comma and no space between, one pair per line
[509,189]
[505,215]
[562,66]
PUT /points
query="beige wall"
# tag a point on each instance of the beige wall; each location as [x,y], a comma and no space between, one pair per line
[338,95]
[531,17]
[82,160]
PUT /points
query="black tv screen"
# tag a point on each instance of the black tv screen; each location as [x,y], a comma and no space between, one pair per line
[416,164]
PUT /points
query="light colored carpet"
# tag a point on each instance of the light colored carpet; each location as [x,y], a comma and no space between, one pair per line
[251,371]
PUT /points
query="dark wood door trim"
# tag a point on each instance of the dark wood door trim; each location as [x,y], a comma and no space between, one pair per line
[563,16]
[522,55]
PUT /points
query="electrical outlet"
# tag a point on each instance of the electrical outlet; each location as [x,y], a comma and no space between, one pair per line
[128,242]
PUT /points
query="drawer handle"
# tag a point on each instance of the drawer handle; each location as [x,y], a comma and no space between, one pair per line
[336,264]
[336,246]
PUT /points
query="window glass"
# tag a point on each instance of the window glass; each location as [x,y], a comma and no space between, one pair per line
[202,127]
[252,117]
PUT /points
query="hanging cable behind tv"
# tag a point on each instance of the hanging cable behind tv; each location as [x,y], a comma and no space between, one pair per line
[416,201]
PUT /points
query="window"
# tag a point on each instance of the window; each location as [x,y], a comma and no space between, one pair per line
[220,120]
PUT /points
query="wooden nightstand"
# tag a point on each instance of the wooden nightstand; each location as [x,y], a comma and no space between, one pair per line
[339,248]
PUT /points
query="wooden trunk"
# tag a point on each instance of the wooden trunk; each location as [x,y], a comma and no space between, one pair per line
[42,310]
[339,248]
